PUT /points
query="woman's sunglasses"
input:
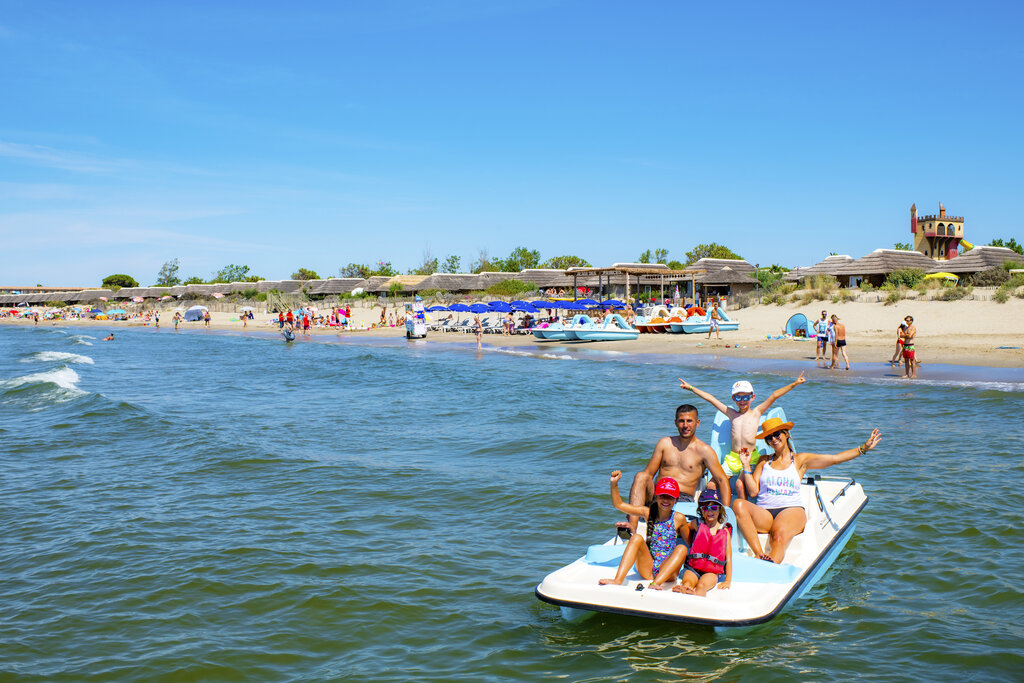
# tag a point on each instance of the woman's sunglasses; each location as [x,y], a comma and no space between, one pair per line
[773,437]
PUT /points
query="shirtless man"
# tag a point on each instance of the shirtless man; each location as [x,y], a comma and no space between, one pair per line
[909,352]
[684,458]
[744,423]
[840,329]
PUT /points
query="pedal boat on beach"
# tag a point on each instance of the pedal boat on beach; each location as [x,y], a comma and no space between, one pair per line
[558,331]
[614,328]
[760,590]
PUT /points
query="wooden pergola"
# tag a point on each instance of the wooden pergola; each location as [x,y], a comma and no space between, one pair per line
[664,275]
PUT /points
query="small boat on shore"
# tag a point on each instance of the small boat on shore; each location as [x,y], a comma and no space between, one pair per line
[614,328]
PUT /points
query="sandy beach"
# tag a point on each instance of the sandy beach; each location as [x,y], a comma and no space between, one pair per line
[956,332]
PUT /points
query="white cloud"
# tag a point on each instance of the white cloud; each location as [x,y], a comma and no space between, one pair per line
[68,161]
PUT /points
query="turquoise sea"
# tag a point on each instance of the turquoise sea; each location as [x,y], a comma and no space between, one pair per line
[224,506]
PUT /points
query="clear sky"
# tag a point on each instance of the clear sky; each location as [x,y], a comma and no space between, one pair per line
[314,134]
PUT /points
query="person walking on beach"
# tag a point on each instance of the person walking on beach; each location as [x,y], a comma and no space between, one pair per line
[714,318]
[479,329]
[289,318]
[156,319]
[909,352]
[840,344]
[177,320]
[821,330]
[206,318]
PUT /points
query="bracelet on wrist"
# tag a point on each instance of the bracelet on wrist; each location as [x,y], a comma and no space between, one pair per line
[747,472]
[862,448]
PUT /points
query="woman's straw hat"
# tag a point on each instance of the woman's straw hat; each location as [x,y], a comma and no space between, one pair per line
[772,425]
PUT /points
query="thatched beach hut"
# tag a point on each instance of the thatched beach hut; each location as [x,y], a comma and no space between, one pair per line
[828,266]
[978,259]
[874,267]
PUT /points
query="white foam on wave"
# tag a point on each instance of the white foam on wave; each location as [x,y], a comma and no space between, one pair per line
[81,339]
[65,380]
[57,356]
[536,354]
[956,383]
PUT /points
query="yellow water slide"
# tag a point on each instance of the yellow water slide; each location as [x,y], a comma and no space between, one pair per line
[966,245]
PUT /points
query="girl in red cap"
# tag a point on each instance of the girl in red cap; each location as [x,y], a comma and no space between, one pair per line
[660,556]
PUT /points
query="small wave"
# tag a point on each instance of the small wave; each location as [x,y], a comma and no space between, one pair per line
[81,339]
[955,383]
[533,354]
[43,388]
[57,356]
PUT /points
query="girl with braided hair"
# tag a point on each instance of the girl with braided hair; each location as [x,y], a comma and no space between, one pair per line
[662,553]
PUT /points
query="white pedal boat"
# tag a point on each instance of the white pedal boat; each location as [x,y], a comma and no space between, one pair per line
[760,590]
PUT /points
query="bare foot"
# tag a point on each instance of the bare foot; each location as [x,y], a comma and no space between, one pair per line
[608,582]
[678,588]
[689,590]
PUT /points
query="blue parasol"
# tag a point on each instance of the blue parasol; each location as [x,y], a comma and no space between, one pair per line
[588,302]
[479,308]
[459,308]
[499,307]
[613,303]
[435,309]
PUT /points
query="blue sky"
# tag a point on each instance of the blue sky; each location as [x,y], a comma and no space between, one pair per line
[317,134]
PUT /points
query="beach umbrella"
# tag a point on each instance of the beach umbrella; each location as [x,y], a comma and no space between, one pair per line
[137,299]
[166,298]
[459,308]
[479,308]
[942,276]
[499,307]
[435,309]
[613,303]
[117,311]
[588,302]
[524,307]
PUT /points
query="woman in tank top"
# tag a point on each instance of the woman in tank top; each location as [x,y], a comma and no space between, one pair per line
[779,511]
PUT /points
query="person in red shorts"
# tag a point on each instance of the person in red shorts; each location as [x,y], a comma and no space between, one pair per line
[909,352]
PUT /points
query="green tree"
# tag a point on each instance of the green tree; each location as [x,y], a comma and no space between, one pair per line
[519,259]
[482,263]
[427,267]
[168,275]
[385,268]
[235,273]
[676,265]
[393,289]
[645,257]
[452,264]
[563,262]
[902,246]
[655,256]
[119,280]
[1009,244]
[710,250]
[305,274]
[194,280]
[355,270]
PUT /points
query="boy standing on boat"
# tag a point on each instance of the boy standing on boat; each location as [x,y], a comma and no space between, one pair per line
[744,423]
[684,458]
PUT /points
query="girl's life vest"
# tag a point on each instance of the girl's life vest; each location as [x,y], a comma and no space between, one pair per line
[708,552]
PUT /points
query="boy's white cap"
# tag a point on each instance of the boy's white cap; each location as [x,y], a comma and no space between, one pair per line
[742,387]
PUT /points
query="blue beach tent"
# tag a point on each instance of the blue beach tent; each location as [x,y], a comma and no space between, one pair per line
[798,321]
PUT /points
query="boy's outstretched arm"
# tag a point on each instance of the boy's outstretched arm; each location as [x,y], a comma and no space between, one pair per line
[779,392]
[683,384]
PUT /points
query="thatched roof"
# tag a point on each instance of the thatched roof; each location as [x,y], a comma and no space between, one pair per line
[978,259]
[157,292]
[885,261]
[374,282]
[726,276]
[338,285]
[545,277]
[825,267]
[93,294]
[198,290]
[711,265]
[451,282]
[410,283]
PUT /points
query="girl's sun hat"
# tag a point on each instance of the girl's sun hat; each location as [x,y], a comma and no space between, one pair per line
[772,425]
[708,496]
[667,486]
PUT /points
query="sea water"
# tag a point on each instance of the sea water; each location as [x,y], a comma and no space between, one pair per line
[225,506]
